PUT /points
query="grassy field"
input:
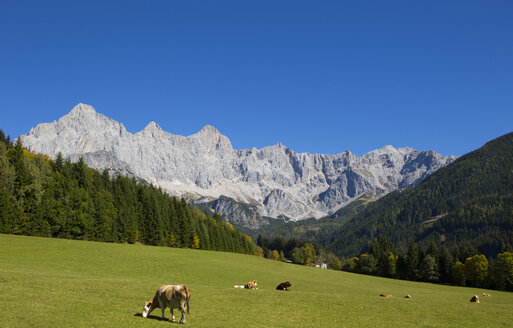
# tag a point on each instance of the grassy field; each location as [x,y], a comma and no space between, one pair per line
[64,283]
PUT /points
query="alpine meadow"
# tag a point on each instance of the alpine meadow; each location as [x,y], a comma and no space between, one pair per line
[46,282]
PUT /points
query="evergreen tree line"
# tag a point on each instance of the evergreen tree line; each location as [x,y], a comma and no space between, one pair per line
[433,264]
[57,198]
[296,251]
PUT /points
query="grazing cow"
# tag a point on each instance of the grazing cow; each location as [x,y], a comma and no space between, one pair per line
[172,296]
[284,286]
[385,295]
[250,285]
[474,299]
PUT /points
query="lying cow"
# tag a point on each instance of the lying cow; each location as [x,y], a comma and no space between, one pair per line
[172,296]
[474,299]
[250,285]
[385,295]
[284,286]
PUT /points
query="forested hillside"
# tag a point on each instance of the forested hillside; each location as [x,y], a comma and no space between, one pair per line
[319,231]
[466,204]
[57,198]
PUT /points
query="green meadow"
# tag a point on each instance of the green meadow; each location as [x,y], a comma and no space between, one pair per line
[64,283]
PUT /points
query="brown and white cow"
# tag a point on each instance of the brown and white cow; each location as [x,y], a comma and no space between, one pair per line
[171,296]
[250,285]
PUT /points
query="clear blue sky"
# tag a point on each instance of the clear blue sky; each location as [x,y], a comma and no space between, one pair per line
[318,76]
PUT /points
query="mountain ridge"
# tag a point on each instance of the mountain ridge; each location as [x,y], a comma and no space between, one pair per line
[204,166]
[467,203]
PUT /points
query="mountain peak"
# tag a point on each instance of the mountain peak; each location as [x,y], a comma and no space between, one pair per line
[209,129]
[389,148]
[152,126]
[83,108]
[277,146]
[81,112]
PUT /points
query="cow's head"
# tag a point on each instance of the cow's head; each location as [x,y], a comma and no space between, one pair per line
[146,308]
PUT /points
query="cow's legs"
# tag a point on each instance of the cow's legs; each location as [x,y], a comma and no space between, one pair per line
[172,314]
[162,307]
[182,309]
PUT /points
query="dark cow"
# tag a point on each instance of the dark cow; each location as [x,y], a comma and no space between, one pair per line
[284,286]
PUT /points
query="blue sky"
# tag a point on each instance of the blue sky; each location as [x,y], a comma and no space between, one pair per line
[318,76]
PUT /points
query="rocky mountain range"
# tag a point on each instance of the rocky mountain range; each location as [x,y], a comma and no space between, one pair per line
[242,185]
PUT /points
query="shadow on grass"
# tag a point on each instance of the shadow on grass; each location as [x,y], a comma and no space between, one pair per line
[154,317]
[158,318]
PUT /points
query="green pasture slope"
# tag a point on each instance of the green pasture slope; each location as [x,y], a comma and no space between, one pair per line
[64,283]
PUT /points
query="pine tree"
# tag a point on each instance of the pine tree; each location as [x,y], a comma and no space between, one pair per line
[446,263]
[412,261]
[428,270]
[7,178]
[383,250]
[58,163]
[3,138]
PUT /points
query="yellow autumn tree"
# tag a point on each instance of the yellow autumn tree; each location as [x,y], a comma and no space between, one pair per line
[259,252]
[308,253]
[476,269]
[229,225]
[196,242]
